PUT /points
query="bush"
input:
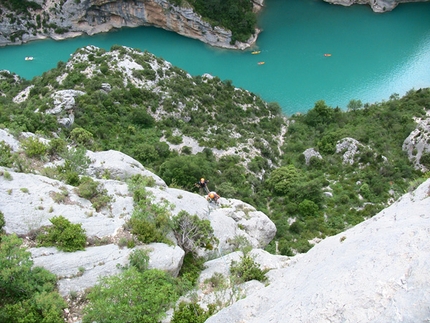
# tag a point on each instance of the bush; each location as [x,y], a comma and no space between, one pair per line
[42,307]
[88,188]
[139,259]
[64,235]
[92,190]
[425,159]
[57,146]
[191,313]
[82,137]
[33,147]
[2,221]
[5,155]
[308,208]
[191,269]
[131,297]
[19,280]
[149,222]
[247,269]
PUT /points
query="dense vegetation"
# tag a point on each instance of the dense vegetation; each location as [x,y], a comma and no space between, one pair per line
[146,112]
[305,200]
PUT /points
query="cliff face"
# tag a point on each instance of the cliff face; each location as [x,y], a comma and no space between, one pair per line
[95,16]
[376,5]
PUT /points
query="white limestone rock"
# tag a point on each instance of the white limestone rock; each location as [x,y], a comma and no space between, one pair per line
[64,100]
[117,165]
[309,153]
[375,272]
[349,147]
[418,142]
[167,258]
[9,140]
[221,265]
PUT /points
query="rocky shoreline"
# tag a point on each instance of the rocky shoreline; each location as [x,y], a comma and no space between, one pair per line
[74,19]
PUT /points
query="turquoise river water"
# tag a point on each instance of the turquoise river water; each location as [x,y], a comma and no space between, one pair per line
[372,55]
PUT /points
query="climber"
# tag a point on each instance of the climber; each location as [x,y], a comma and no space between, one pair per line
[213,197]
[203,186]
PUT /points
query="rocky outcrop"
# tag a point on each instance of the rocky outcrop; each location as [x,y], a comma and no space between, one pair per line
[28,201]
[376,5]
[348,147]
[309,153]
[95,16]
[374,272]
[418,142]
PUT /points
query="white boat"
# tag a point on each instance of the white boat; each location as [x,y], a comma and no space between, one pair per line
[29,58]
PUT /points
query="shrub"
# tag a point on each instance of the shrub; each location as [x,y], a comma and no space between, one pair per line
[92,190]
[5,155]
[247,269]
[191,269]
[76,160]
[7,176]
[139,259]
[2,221]
[88,188]
[64,235]
[42,307]
[33,147]
[131,297]
[149,222]
[82,137]
[308,208]
[191,313]
[27,292]
[425,159]
[57,146]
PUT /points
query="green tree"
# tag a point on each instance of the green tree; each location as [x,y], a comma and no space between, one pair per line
[5,155]
[354,105]
[284,179]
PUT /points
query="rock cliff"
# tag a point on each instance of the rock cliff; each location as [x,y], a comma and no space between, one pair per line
[73,18]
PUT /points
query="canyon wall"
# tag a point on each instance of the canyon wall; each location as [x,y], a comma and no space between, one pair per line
[95,16]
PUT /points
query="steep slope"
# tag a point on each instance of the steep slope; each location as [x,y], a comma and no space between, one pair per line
[374,272]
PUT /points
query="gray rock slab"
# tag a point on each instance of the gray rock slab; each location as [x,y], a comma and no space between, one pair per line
[374,272]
